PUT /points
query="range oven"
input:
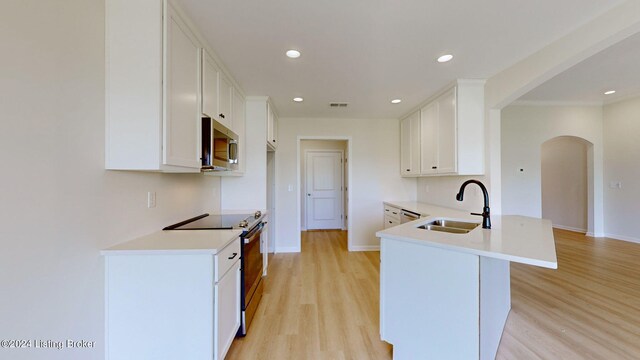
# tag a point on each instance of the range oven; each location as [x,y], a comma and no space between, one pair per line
[251,257]
[251,276]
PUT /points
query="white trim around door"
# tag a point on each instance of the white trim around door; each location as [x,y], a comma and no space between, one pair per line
[348,193]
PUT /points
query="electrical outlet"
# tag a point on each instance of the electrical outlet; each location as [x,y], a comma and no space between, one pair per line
[151,199]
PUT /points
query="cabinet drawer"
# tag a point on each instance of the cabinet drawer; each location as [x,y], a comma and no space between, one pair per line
[226,258]
[390,222]
[392,212]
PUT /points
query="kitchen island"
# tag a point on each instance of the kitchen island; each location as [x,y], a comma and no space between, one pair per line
[447,295]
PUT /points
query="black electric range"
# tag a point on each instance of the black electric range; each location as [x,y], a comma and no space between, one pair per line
[245,222]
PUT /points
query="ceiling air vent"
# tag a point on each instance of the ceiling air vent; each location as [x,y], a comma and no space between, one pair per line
[338,105]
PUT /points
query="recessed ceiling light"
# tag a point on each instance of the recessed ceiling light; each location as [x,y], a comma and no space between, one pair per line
[294,54]
[609,92]
[445,58]
[298,99]
[396,101]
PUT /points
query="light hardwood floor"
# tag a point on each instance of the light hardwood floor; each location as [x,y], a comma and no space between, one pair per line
[587,309]
[323,304]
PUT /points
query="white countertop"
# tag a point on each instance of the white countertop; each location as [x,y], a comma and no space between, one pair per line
[176,242]
[514,238]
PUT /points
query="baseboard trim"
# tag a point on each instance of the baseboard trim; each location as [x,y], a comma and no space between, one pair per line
[569,228]
[623,238]
[287,249]
[364,248]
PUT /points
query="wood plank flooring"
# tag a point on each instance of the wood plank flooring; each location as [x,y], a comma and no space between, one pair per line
[587,309]
[323,304]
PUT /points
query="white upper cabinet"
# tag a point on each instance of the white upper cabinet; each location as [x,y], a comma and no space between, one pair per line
[210,73]
[410,145]
[272,127]
[447,136]
[182,123]
[152,88]
[225,101]
[161,77]
[217,93]
[429,139]
[451,133]
[438,120]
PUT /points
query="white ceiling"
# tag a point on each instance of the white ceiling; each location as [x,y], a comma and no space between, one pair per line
[367,52]
[615,68]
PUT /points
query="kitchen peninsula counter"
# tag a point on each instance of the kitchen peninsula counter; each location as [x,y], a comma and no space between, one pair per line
[447,295]
[514,238]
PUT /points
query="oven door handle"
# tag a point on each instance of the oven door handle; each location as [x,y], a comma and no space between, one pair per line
[254,233]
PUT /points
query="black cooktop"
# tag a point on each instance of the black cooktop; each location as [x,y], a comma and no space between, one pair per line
[218,222]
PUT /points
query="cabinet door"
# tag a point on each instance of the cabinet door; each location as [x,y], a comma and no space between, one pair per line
[181,121]
[415,144]
[274,139]
[429,139]
[227,310]
[225,100]
[447,133]
[209,86]
[389,222]
[405,147]
[270,126]
[410,145]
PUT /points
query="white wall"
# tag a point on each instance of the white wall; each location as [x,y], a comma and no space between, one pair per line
[524,129]
[564,182]
[59,207]
[339,145]
[510,84]
[374,175]
[622,164]
[442,190]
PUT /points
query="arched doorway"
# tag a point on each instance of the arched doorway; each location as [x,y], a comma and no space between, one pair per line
[567,183]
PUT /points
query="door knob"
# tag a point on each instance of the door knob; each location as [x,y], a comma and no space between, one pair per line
[308,194]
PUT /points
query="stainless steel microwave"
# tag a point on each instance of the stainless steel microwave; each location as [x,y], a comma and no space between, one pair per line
[219,147]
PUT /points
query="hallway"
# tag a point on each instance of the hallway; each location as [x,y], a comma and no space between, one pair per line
[322,303]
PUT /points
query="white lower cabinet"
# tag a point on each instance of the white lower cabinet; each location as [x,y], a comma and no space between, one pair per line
[170,306]
[391,216]
[227,310]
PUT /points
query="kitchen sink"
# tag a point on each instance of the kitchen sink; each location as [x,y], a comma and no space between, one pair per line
[449,226]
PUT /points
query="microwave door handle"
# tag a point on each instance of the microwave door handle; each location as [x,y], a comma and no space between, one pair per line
[233,151]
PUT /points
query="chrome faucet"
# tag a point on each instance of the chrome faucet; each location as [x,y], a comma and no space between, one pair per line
[486,220]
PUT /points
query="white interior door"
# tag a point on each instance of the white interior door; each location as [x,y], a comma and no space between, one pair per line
[324,189]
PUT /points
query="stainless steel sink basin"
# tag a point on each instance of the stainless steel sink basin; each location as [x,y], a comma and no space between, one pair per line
[449,226]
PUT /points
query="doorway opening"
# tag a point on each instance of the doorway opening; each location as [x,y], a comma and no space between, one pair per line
[567,183]
[324,191]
